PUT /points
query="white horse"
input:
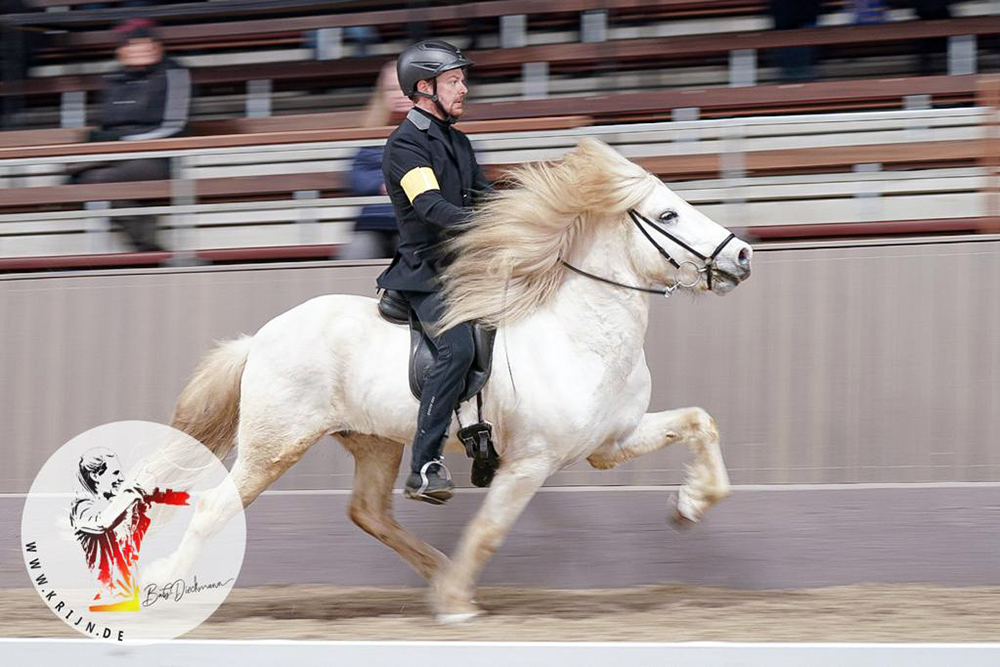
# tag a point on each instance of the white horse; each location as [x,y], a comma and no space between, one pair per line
[558,263]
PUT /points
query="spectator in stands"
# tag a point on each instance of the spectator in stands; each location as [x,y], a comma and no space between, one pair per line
[868,11]
[148,97]
[931,10]
[375,232]
[17,48]
[797,63]
[365,36]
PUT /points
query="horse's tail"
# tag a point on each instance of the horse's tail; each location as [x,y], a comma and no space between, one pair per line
[209,407]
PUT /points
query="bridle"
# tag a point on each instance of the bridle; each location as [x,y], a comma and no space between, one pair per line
[705,268]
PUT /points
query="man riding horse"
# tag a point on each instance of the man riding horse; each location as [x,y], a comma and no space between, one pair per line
[432,179]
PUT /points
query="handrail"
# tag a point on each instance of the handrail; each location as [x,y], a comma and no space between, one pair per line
[326,251]
[193,145]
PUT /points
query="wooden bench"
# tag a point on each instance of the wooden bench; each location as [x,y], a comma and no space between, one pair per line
[865,94]
[675,168]
[266,30]
[251,132]
[572,57]
[343,14]
[952,178]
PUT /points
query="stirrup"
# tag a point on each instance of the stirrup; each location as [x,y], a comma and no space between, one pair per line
[421,492]
[424,482]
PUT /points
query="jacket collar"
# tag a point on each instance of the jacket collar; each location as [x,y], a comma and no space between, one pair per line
[420,119]
[433,127]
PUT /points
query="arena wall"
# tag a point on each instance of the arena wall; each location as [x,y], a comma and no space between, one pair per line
[833,364]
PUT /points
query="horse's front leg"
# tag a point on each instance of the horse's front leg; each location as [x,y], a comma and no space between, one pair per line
[707,481]
[513,487]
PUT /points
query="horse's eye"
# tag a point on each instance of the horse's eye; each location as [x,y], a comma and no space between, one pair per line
[669,215]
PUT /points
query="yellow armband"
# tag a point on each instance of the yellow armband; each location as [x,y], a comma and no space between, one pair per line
[417,181]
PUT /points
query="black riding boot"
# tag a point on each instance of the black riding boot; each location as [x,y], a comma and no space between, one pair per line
[431,485]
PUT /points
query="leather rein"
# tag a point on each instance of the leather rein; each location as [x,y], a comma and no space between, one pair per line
[706,268]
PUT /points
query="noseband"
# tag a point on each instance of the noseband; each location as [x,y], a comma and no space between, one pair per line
[705,268]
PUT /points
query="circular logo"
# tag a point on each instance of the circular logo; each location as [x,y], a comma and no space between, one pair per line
[133,531]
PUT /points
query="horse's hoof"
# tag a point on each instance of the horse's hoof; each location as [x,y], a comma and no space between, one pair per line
[678,519]
[680,522]
[458,619]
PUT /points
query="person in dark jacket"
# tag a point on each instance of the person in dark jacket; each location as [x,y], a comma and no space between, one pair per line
[930,49]
[432,179]
[797,63]
[375,234]
[147,98]
[18,48]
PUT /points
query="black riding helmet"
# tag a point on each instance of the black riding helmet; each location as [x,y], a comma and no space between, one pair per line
[427,60]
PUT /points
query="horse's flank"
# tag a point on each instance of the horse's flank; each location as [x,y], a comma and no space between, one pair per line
[507,260]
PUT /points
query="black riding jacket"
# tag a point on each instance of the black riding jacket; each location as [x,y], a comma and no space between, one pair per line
[432,178]
[148,103]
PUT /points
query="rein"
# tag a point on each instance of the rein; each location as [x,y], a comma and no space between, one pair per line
[706,268]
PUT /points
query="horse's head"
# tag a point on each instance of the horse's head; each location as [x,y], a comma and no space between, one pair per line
[670,243]
[675,244]
[520,244]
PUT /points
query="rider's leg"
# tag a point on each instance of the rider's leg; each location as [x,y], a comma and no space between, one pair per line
[442,390]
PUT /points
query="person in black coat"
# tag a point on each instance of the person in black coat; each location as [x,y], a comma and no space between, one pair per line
[18,48]
[930,49]
[148,97]
[797,63]
[432,178]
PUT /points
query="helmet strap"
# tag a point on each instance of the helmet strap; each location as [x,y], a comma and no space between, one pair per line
[448,118]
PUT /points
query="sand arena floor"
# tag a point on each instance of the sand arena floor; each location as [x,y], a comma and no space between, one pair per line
[865,613]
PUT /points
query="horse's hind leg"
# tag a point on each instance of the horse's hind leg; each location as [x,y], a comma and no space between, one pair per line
[707,480]
[261,459]
[376,466]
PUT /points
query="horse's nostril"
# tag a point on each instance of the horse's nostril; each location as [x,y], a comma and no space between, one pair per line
[743,258]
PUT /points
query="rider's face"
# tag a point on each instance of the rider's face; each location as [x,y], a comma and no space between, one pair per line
[451,92]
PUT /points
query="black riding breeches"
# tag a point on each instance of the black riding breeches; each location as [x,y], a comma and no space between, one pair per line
[454,353]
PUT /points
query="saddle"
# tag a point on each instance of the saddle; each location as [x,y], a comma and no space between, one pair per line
[476,437]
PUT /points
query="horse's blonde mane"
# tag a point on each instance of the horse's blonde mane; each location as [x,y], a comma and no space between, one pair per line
[507,258]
